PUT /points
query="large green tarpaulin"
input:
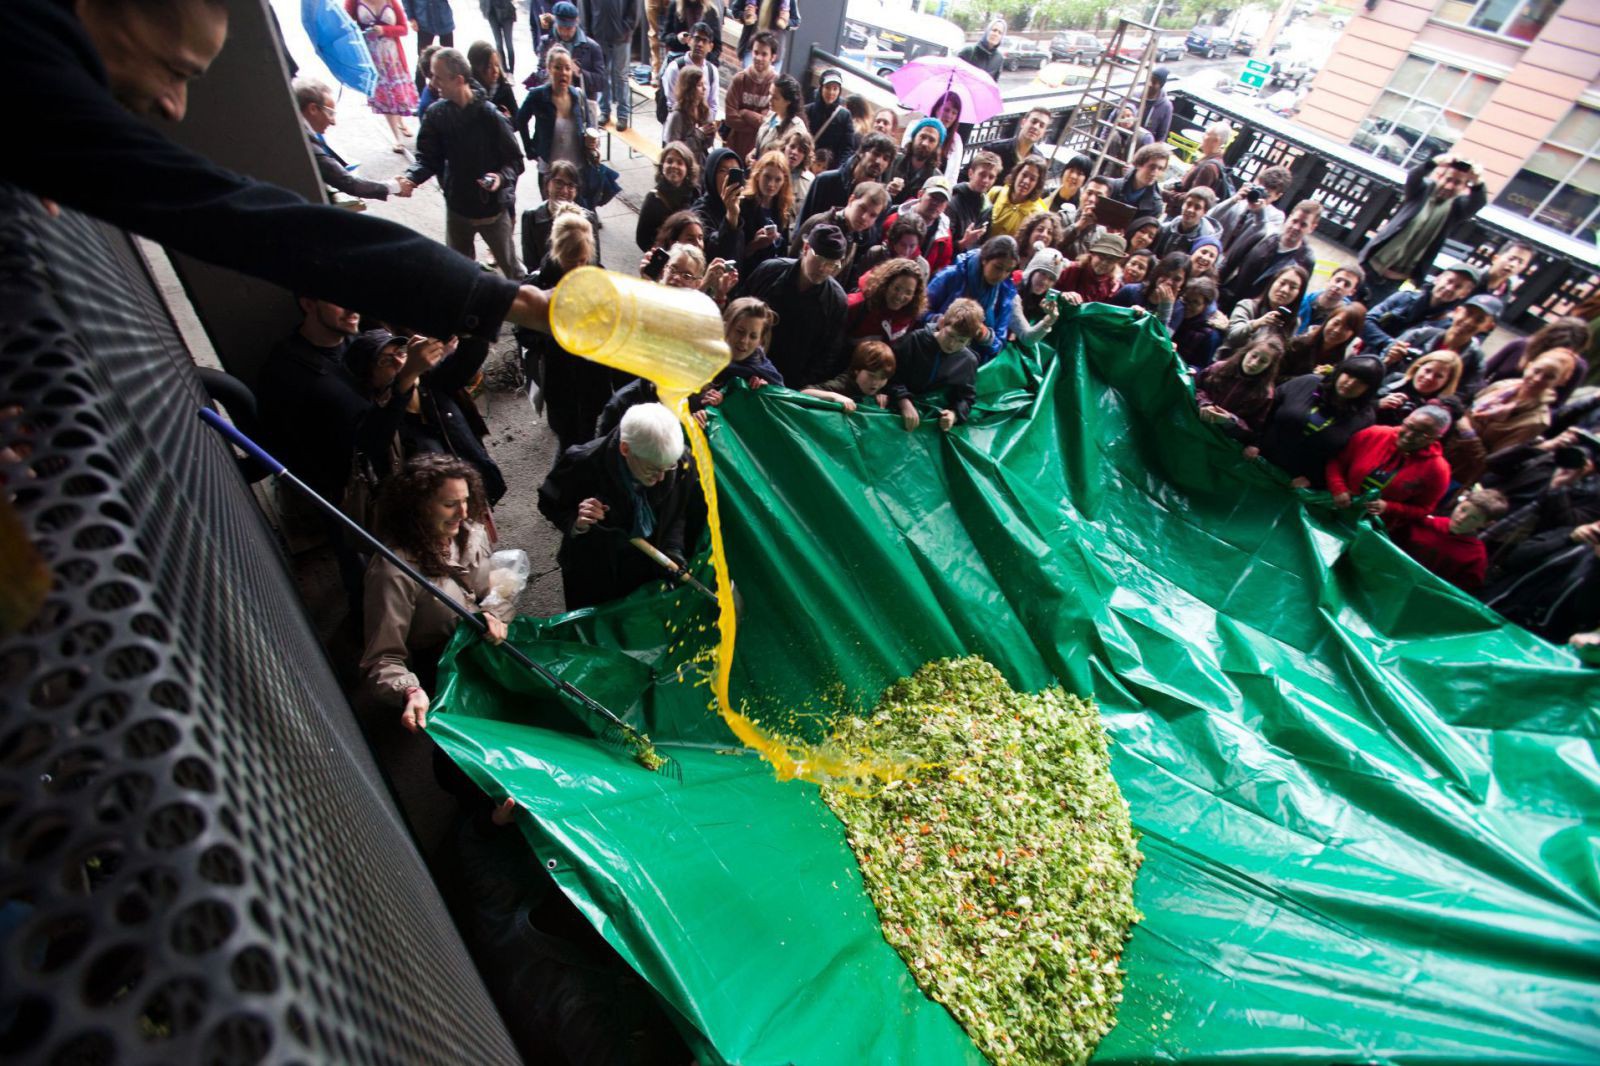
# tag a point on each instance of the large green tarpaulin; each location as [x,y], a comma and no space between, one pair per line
[1369,806]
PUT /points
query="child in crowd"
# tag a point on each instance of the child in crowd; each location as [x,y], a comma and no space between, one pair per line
[1197,336]
[872,364]
[1037,303]
[939,356]
[1450,545]
[747,327]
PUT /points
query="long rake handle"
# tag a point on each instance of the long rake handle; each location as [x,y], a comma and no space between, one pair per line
[260,454]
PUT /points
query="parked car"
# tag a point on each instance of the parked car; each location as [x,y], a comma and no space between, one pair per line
[1170,49]
[1076,47]
[1245,44]
[1022,53]
[1339,22]
[1208,41]
[1289,72]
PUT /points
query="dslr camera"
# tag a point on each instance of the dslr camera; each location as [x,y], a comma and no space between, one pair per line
[1254,193]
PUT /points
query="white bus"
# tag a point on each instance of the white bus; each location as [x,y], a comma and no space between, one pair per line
[882,38]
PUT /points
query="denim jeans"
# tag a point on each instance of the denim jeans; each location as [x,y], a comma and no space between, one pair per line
[618,95]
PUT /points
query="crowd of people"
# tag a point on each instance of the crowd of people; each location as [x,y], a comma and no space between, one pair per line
[864,256]
[871,259]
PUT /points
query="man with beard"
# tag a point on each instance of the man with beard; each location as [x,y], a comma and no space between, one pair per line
[918,163]
[467,142]
[1440,193]
[832,187]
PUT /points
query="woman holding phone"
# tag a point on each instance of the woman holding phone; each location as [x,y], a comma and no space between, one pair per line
[1274,311]
[767,211]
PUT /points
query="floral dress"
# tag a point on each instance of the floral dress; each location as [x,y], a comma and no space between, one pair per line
[395,94]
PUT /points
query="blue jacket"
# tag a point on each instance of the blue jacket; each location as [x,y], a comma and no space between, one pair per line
[540,107]
[964,278]
[1399,312]
[432,16]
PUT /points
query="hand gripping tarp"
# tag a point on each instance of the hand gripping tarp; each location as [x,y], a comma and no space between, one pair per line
[1369,805]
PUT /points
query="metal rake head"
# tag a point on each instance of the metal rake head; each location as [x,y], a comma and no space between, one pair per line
[641,750]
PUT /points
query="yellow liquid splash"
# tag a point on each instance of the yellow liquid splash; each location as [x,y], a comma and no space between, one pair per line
[674,337]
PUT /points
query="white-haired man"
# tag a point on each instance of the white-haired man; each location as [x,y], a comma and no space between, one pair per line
[634,482]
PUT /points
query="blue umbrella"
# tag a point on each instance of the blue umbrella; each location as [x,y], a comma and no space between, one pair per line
[337,41]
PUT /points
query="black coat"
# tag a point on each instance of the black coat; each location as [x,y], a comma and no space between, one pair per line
[828,190]
[832,128]
[1418,189]
[989,60]
[315,414]
[806,340]
[723,241]
[658,206]
[1285,439]
[1549,584]
[187,203]
[461,145]
[600,565]
[331,168]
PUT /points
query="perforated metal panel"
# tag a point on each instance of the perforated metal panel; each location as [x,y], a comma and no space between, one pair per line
[199,862]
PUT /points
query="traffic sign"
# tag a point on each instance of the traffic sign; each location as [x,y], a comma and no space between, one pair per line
[1255,72]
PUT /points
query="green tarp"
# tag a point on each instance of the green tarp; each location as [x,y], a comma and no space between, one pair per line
[1369,807]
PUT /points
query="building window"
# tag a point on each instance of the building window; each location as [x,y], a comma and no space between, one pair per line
[1518,19]
[1559,185]
[1423,111]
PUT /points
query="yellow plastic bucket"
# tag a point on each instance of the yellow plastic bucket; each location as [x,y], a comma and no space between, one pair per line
[671,336]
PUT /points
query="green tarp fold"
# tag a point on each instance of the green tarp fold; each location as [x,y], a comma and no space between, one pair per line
[1370,808]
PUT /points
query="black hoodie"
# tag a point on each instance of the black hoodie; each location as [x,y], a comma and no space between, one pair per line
[722,240]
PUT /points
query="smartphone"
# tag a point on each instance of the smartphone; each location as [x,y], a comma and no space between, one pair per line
[658,259]
[735,176]
[1286,312]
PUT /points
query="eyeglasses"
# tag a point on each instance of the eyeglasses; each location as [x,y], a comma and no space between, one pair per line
[327,109]
[679,274]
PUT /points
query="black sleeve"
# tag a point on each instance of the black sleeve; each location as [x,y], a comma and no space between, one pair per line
[456,370]
[79,147]
[336,177]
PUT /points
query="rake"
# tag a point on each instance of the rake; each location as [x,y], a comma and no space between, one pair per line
[615,732]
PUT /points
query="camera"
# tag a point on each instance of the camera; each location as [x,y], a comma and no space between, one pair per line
[735,177]
[1254,193]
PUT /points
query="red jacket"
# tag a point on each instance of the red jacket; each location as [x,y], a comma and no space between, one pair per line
[1081,280]
[1414,490]
[938,248]
[1457,557]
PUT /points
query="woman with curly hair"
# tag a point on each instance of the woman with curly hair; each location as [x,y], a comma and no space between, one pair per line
[1043,229]
[677,184]
[890,303]
[801,155]
[431,514]
[766,211]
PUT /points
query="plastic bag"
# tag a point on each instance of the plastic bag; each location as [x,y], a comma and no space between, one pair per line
[508,576]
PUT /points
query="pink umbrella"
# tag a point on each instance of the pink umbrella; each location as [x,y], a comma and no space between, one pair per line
[921,83]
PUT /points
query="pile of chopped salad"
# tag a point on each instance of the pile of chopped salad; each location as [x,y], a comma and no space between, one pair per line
[1003,870]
